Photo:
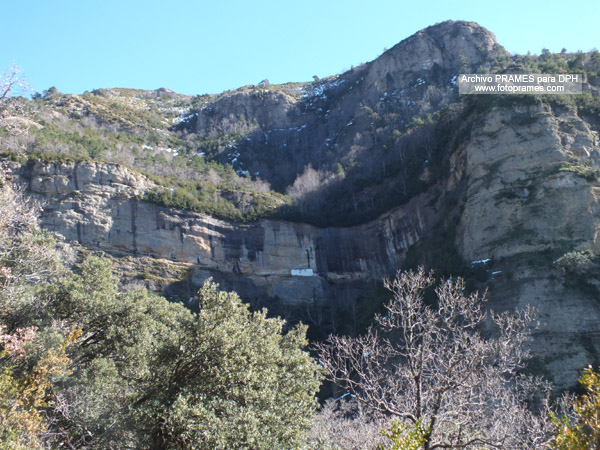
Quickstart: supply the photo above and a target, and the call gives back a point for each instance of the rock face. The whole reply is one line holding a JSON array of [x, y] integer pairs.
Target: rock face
[[523, 210], [518, 198], [98, 206], [436, 53], [335, 119], [518, 181]]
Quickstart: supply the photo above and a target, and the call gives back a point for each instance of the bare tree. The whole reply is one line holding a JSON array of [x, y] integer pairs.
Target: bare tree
[[23, 260], [432, 368], [13, 116], [28, 255], [309, 181], [342, 424], [11, 81], [306, 190], [261, 186]]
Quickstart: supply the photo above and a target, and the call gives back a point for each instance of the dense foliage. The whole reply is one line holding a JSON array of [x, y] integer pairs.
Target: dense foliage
[[227, 203]]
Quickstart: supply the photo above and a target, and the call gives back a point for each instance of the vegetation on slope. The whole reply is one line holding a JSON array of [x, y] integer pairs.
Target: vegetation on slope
[[153, 132]]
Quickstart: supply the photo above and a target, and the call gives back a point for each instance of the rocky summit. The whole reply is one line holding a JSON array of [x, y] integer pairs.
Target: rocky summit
[[335, 184]]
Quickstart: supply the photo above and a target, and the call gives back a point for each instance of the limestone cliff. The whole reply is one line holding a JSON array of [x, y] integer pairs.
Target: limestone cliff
[[523, 209], [99, 206], [518, 204]]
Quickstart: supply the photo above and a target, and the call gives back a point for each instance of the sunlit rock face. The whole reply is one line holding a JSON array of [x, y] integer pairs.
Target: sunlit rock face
[[99, 206]]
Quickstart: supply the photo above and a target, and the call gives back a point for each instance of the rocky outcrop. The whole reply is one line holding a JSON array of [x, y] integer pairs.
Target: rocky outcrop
[[278, 132], [521, 206], [433, 55], [520, 198], [247, 111], [99, 206], [524, 207]]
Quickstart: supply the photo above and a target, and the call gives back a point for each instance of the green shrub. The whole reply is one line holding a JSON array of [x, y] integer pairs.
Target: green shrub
[[581, 170], [577, 263], [583, 430]]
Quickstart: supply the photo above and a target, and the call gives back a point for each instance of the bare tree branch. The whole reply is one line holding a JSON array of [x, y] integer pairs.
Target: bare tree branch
[[433, 365]]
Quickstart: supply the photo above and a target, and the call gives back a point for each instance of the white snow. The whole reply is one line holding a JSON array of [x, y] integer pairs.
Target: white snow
[[481, 261]]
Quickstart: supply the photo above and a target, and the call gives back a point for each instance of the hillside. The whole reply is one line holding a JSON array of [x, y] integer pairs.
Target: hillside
[[303, 196]]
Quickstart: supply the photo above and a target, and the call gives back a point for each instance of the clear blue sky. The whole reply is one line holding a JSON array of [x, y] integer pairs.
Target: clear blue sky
[[197, 47]]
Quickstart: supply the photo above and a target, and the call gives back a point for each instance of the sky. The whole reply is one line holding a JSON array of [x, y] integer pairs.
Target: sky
[[198, 47]]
